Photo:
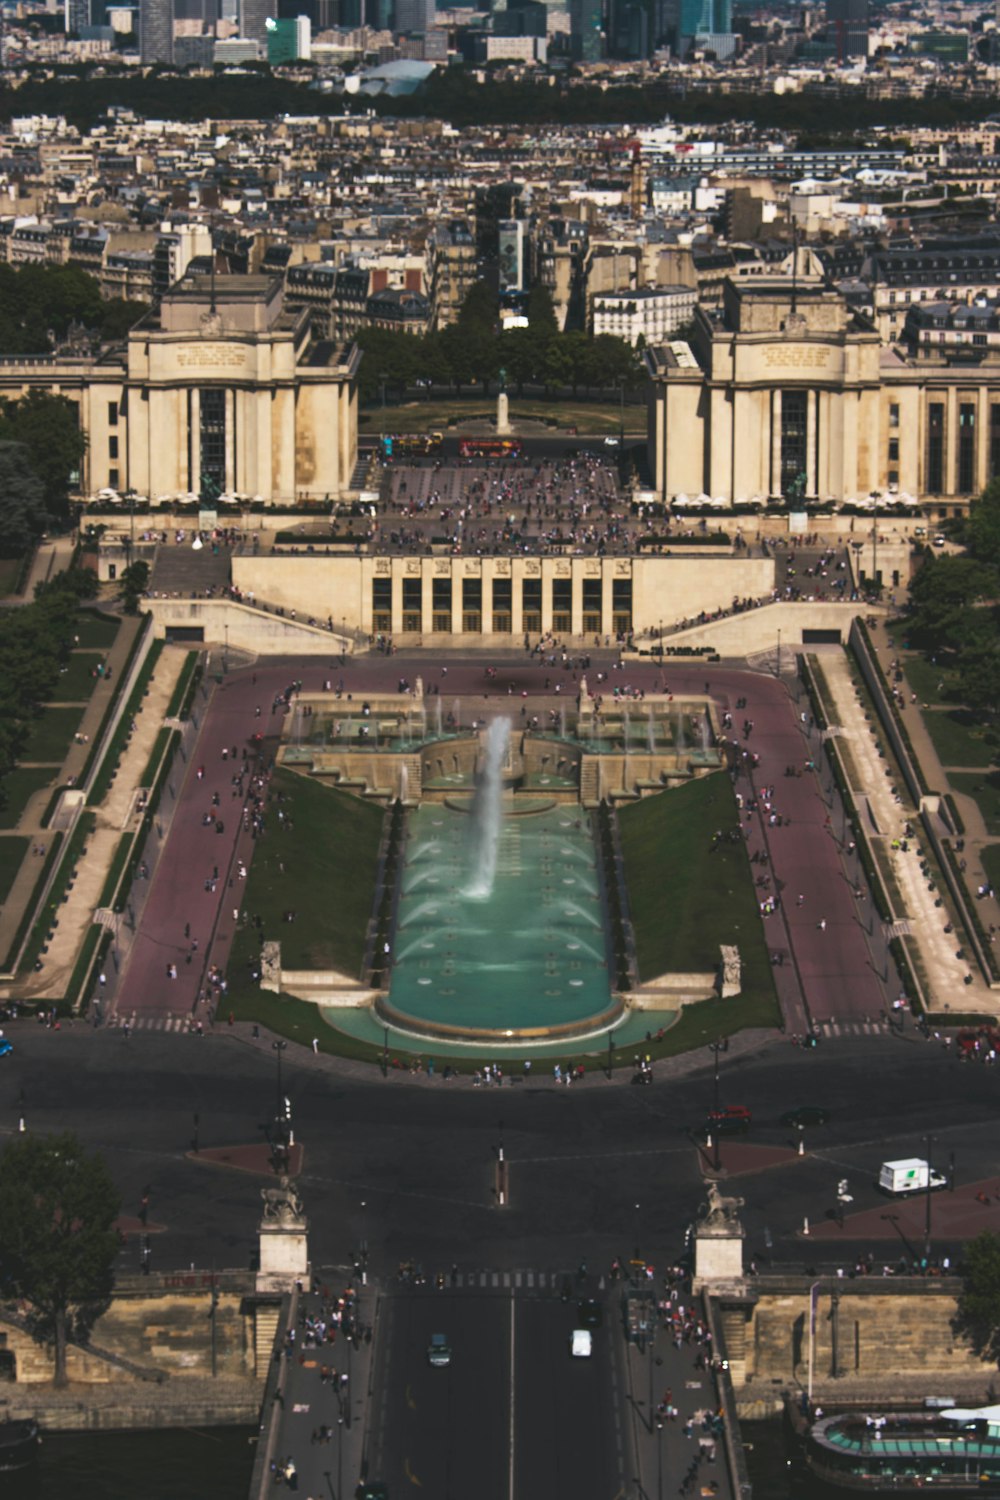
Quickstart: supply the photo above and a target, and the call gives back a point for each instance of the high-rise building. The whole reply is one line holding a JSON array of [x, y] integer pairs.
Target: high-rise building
[[688, 19], [76, 15], [847, 27], [156, 31], [415, 15], [253, 16], [586, 30], [289, 39]]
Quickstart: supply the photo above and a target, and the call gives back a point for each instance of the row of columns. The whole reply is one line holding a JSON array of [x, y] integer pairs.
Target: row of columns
[[576, 626]]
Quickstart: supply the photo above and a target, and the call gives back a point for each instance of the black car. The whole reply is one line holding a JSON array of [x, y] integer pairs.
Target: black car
[[806, 1114], [589, 1313]]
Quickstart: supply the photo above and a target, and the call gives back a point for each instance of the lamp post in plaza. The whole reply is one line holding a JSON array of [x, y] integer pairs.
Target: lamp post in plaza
[[722, 1045]]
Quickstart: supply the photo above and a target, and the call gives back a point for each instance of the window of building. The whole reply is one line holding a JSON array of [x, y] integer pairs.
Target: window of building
[[894, 450], [621, 606], [995, 440], [112, 413], [793, 443], [382, 605], [112, 447], [213, 439], [893, 413], [502, 606], [472, 605], [531, 604], [935, 447], [966, 447], [592, 600], [413, 604], [441, 605], [113, 478], [562, 605]]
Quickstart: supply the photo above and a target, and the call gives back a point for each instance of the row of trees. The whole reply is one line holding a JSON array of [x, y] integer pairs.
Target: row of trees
[[35, 642], [38, 304], [957, 616], [472, 351]]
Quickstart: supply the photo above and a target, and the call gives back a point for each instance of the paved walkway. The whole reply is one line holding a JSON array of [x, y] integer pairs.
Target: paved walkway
[[953, 982], [30, 822]]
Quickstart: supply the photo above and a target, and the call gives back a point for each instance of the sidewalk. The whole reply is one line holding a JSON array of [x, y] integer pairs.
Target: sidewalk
[[945, 973], [29, 825]]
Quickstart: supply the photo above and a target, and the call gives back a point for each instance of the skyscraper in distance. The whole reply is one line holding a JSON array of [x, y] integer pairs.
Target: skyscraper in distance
[[156, 31]]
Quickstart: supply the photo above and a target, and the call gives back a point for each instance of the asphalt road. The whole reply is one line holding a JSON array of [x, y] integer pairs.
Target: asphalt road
[[594, 1170], [512, 1415]]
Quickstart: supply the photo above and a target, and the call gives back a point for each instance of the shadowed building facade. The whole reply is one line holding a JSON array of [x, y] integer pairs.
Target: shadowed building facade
[[220, 391], [784, 393]]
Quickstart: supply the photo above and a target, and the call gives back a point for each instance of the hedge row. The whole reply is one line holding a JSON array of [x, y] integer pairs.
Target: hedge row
[[612, 888], [29, 911], [48, 916], [122, 735], [394, 846], [113, 893], [93, 951], [897, 718], [109, 711], [179, 706], [971, 912]]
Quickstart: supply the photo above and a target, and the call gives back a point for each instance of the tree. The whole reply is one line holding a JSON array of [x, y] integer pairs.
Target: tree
[[541, 313], [134, 581], [57, 1241], [978, 1314], [982, 529], [22, 500], [945, 594], [49, 427]]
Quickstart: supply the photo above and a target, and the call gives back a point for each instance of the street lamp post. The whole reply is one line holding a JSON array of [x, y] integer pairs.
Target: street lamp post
[[279, 1114], [929, 1141], [778, 673], [715, 1048]]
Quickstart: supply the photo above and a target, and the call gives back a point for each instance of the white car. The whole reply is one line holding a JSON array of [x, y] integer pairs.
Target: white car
[[582, 1343]]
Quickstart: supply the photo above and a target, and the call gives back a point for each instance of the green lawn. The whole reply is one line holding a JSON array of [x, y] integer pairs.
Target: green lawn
[[76, 684], [12, 852], [958, 740], [95, 632], [986, 791], [686, 900], [991, 864], [322, 868], [924, 676], [16, 788], [50, 735]]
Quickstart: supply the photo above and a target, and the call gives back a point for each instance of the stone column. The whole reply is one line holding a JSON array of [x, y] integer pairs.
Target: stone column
[[576, 613], [516, 599], [812, 476], [776, 442], [426, 599]]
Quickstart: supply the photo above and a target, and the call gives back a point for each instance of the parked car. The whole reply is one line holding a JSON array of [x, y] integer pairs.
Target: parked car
[[806, 1114], [581, 1345], [438, 1351], [730, 1119], [6, 1047]]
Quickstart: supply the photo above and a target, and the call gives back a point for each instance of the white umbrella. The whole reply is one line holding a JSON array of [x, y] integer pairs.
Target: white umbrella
[[679, 501]]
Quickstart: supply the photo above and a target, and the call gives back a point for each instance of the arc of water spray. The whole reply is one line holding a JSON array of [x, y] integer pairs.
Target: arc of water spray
[[488, 812]]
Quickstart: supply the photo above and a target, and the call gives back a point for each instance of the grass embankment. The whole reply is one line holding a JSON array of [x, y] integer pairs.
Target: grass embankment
[[318, 861], [17, 789], [686, 899], [93, 631], [990, 857], [78, 678], [51, 735], [12, 852], [985, 791]]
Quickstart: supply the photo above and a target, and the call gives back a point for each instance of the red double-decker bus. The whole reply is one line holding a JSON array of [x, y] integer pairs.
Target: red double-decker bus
[[474, 447]]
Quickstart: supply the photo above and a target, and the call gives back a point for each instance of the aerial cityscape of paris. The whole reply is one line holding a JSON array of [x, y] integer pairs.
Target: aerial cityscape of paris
[[500, 750]]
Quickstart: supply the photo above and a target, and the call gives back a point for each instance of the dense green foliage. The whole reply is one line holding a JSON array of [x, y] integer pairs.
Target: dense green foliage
[[956, 610], [34, 643], [472, 350], [38, 303], [48, 427], [453, 94], [979, 1304], [58, 1244]]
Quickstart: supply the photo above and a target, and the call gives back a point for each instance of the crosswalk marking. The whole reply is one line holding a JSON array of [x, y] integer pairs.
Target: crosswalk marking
[[851, 1028]]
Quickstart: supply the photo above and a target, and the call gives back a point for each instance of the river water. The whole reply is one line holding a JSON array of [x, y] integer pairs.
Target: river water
[[188, 1463]]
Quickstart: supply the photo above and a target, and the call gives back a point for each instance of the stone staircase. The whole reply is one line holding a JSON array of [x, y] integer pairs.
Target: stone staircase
[[266, 1321], [589, 781], [180, 570]]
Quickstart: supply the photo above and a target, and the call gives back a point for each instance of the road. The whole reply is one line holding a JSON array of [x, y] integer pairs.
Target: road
[[512, 1415], [593, 1170]]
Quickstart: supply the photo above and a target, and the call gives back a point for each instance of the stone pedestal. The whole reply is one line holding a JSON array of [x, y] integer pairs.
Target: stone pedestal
[[730, 980], [503, 414], [283, 1237], [718, 1243]]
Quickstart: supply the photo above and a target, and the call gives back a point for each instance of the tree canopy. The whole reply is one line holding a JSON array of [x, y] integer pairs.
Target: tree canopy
[[58, 1244], [48, 427], [979, 1304], [473, 350], [39, 302]]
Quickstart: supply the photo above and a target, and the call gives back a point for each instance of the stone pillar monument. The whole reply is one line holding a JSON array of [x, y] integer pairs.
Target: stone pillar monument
[[718, 1243], [283, 1238], [503, 415]]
